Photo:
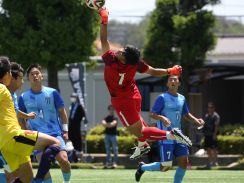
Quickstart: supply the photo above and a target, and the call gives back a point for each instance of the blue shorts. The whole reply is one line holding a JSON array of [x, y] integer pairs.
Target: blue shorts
[[169, 151], [62, 144]]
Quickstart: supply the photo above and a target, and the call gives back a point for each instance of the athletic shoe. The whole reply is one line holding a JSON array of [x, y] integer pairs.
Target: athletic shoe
[[180, 137], [139, 172], [140, 151]]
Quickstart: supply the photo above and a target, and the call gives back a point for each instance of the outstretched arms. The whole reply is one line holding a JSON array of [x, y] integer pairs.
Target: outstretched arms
[[176, 70], [103, 30]]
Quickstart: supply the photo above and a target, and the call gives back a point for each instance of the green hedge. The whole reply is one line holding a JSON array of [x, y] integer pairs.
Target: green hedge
[[99, 130], [95, 143], [232, 130], [227, 144], [230, 144]]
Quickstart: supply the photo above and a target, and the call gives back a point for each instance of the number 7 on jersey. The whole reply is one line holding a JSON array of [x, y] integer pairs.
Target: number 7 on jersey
[[121, 79]]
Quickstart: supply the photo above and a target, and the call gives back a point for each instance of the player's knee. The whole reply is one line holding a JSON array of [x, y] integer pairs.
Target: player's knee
[[164, 168]]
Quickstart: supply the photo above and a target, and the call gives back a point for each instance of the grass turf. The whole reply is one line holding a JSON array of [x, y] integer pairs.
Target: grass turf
[[127, 176]]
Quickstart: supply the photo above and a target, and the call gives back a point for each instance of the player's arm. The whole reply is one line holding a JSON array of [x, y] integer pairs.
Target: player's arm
[[189, 117], [159, 72], [155, 112], [104, 30], [64, 118], [162, 118], [23, 123], [24, 115], [59, 106]]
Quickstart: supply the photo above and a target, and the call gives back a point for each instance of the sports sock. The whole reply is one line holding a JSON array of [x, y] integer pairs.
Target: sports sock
[[3, 178], [179, 175], [66, 176], [48, 180], [48, 156], [153, 133], [151, 167]]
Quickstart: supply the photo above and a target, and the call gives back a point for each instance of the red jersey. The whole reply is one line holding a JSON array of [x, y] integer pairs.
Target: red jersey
[[119, 77]]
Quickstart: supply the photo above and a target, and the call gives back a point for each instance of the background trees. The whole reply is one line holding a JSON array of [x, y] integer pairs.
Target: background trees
[[180, 32], [51, 33]]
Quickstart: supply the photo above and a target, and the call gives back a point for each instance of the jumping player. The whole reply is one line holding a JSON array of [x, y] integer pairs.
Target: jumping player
[[16, 145], [168, 109], [119, 72]]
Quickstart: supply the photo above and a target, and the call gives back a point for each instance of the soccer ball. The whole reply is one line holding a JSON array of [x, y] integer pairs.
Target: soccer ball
[[95, 4]]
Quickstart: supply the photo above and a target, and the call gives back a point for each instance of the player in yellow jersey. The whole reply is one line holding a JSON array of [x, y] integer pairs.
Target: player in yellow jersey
[[16, 145]]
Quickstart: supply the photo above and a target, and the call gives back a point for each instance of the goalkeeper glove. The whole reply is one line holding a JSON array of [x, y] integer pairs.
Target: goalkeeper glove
[[176, 70], [103, 12]]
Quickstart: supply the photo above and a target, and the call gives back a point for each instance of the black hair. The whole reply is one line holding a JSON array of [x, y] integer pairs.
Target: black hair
[[15, 69], [132, 54], [4, 66], [33, 66], [110, 107]]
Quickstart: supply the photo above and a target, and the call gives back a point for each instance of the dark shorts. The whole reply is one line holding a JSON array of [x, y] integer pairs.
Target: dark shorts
[[209, 142]]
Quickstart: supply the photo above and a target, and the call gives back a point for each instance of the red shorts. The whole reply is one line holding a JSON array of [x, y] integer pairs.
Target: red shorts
[[128, 109]]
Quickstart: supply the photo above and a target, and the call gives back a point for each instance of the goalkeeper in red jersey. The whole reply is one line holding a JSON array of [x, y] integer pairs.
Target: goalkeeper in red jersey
[[119, 72]]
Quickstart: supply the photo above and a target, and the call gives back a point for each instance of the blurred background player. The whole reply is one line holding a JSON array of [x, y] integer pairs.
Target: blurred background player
[[16, 145], [49, 106], [76, 117], [119, 72], [168, 109], [110, 123], [210, 131]]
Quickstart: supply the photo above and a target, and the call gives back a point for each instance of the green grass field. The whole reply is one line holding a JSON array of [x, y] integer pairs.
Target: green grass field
[[127, 176]]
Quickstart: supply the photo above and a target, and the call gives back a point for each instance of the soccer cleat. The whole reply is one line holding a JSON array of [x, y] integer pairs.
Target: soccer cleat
[[180, 137], [139, 172], [139, 151]]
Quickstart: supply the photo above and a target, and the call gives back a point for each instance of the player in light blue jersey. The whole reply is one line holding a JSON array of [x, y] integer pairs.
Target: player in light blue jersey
[[51, 116], [168, 110]]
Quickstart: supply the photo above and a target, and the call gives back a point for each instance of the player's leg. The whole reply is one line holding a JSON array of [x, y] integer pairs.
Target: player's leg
[[24, 172], [166, 159], [181, 153], [50, 147], [47, 178], [62, 158]]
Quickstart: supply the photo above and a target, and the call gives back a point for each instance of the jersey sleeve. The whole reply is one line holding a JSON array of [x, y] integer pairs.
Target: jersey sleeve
[[185, 109], [58, 100], [158, 105], [108, 57], [142, 67], [21, 104]]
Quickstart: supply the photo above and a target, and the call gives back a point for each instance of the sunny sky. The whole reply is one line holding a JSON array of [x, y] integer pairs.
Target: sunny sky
[[132, 10]]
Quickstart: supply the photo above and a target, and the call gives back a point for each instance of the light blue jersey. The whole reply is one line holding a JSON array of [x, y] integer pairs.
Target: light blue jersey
[[172, 107], [45, 104], [15, 100]]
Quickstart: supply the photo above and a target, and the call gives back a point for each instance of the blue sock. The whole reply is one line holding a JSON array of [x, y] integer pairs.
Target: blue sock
[[3, 178], [66, 176], [151, 167], [48, 156], [179, 175], [48, 181]]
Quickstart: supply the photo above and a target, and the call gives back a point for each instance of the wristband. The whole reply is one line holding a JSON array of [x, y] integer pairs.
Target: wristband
[[65, 127]]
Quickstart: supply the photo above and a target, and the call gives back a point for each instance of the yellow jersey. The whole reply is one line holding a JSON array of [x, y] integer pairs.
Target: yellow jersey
[[9, 126]]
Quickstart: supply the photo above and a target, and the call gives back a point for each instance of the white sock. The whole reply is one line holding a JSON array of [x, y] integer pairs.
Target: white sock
[[141, 143], [170, 136]]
